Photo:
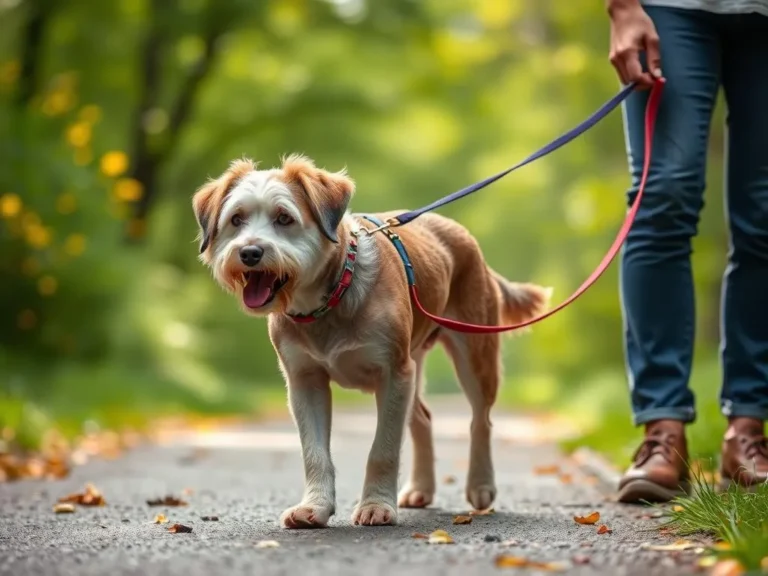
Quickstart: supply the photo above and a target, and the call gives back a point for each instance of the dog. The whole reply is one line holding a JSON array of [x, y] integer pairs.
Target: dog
[[338, 308]]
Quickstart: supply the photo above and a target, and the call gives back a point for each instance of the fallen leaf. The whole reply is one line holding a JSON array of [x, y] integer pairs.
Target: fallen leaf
[[64, 508], [160, 519], [566, 478], [449, 479], [581, 559], [179, 529], [507, 561], [90, 497], [590, 519], [268, 544], [462, 519], [728, 568], [167, 501], [209, 518], [603, 529], [546, 470], [677, 508], [486, 512], [676, 546], [440, 537], [419, 536]]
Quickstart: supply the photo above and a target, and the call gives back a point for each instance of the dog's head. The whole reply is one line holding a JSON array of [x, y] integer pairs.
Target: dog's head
[[265, 233]]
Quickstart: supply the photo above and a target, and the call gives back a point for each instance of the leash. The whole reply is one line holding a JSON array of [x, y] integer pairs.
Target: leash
[[651, 111]]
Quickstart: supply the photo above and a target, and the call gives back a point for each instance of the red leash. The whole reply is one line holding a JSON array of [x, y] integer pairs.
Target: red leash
[[651, 111]]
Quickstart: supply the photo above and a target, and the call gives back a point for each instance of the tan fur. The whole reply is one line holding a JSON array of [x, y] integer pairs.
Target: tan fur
[[376, 342]]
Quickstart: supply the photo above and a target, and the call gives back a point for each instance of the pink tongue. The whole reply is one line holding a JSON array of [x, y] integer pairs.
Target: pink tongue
[[258, 289]]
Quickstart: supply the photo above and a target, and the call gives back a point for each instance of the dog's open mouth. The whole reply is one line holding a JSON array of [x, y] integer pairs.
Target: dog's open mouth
[[260, 287]]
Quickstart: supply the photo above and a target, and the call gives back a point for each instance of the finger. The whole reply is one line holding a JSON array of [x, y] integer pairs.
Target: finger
[[635, 70], [653, 55], [621, 70]]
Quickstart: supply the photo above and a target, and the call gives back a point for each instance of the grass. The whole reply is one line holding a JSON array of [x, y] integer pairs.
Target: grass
[[736, 517]]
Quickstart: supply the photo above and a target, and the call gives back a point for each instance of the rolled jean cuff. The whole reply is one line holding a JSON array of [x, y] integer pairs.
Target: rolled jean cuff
[[731, 410], [686, 415]]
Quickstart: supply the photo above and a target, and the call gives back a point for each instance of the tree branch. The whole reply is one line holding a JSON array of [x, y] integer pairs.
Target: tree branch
[[32, 43]]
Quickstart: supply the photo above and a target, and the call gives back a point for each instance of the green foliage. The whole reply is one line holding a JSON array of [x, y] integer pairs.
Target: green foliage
[[113, 113], [737, 517]]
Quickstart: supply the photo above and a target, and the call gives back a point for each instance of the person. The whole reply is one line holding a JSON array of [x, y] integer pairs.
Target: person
[[697, 46]]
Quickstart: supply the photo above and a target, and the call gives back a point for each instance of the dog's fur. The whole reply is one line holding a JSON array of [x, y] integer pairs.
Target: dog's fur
[[373, 340]]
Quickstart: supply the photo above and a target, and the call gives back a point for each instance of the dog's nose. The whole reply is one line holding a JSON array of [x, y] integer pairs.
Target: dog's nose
[[251, 255]]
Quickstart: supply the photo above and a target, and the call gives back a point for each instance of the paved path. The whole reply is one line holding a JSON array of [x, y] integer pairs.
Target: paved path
[[248, 476]]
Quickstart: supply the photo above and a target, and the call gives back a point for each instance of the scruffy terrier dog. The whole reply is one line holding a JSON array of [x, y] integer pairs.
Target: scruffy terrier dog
[[338, 308]]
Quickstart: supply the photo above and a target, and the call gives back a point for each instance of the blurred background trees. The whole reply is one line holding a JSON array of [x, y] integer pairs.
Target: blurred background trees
[[112, 113]]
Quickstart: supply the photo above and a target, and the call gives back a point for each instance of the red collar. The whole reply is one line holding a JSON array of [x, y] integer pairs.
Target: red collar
[[333, 299]]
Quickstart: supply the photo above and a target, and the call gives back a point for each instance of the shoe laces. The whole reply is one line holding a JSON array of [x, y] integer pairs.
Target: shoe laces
[[755, 447], [656, 442]]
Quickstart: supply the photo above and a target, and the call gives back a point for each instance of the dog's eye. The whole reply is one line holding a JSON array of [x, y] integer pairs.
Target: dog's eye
[[284, 219], [237, 220]]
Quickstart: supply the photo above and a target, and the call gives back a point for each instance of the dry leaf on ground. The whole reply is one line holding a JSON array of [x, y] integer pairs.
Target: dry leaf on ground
[[581, 559], [507, 561], [603, 529], [440, 537], [728, 568], [449, 479], [268, 544], [179, 529], [90, 497], [677, 508], [419, 536], [167, 501], [589, 519], [64, 508], [566, 478], [674, 547], [546, 470], [486, 512], [462, 519], [160, 519]]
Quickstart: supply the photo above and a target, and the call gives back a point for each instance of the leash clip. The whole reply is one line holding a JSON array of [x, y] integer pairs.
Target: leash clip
[[383, 228]]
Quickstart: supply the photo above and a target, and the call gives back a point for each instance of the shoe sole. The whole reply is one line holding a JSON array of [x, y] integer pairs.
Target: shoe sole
[[639, 491]]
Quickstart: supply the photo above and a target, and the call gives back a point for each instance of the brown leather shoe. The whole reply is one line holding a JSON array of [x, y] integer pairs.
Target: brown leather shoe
[[659, 470], [745, 453]]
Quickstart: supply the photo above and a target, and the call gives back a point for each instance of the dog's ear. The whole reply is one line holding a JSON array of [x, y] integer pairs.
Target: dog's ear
[[328, 193], [210, 196], [203, 205]]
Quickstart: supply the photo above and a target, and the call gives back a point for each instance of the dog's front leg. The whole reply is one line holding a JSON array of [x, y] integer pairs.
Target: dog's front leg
[[309, 396], [378, 504]]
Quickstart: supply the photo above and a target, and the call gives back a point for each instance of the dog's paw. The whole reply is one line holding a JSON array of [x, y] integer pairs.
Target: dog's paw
[[374, 514], [306, 516], [481, 497], [414, 498]]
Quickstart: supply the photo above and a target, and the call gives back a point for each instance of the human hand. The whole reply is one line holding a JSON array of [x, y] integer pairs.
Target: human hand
[[632, 32]]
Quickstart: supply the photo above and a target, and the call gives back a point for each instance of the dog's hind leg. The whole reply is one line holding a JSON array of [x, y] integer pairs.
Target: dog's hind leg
[[478, 367], [420, 489]]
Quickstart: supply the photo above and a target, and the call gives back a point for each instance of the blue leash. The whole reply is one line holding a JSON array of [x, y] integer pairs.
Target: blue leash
[[601, 113]]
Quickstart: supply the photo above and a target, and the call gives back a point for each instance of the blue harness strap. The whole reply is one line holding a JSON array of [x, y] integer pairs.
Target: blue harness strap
[[398, 243]]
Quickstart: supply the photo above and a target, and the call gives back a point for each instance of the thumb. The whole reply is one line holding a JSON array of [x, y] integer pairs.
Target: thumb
[[653, 56]]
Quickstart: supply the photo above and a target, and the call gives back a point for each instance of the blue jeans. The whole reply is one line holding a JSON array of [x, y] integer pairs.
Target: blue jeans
[[700, 52]]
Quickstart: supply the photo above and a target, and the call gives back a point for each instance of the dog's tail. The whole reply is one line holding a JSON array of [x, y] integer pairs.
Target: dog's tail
[[520, 301]]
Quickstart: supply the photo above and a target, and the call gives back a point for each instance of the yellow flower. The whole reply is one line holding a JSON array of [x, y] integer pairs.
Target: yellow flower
[[127, 190], [79, 134], [10, 205], [58, 102], [47, 285], [74, 245], [38, 236], [9, 72], [66, 203], [90, 113], [114, 163]]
